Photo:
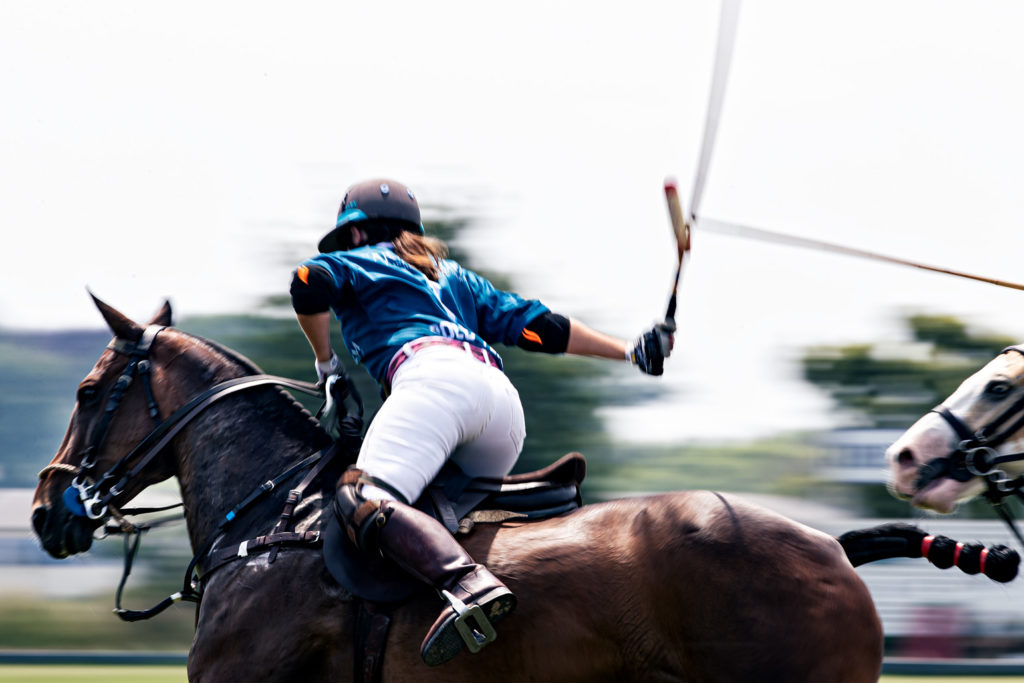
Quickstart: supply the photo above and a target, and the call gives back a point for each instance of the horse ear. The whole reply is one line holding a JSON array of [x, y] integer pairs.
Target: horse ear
[[163, 316], [122, 327]]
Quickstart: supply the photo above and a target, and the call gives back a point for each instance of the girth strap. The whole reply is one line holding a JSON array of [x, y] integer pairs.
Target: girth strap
[[373, 621], [221, 557]]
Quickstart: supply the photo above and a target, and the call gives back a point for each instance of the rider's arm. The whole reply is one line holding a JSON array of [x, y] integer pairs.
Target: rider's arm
[[586, 341], [317, 328], [648, 352], [555, 333], [311, 292]]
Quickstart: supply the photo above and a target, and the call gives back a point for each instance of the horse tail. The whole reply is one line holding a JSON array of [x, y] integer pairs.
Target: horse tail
[[896, 539]]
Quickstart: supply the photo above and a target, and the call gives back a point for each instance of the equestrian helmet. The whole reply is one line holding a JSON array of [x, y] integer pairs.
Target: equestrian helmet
[[380, 201]]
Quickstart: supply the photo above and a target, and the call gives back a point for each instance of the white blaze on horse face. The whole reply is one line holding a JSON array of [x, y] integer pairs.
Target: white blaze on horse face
[[932, 437], [928, 438]]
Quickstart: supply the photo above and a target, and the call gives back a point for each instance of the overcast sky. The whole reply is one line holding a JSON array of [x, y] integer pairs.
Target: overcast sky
[[197, 151]]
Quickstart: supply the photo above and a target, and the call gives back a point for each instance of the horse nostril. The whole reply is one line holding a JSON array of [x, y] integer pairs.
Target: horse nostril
[[905, 458], [39, 520]]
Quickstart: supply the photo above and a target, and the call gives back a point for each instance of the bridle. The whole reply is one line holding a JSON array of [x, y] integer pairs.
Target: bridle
[[90, 494], [976, 456]]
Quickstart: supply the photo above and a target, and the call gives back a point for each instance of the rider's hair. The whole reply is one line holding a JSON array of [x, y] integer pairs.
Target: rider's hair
[[422, 253]]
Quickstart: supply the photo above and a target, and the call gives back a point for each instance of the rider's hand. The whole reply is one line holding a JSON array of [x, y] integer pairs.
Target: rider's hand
[[325, 369], [652, 348]]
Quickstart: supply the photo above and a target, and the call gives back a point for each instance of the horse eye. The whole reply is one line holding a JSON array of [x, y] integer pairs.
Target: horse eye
[[87, 394], [998, 389]]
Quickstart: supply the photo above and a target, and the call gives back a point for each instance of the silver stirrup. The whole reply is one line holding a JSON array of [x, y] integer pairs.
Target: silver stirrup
[[474, 637]]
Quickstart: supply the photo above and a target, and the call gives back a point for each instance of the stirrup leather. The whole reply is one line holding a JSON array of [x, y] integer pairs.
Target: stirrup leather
[[474, 637]]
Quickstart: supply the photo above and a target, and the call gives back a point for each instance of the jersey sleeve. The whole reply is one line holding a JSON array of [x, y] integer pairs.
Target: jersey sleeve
[[316, 287], [501, 316]]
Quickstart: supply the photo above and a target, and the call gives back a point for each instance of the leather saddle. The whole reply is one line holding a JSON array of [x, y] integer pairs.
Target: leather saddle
[[458, 502]]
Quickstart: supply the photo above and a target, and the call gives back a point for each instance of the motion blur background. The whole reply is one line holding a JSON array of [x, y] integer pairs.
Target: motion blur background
[[198, 152]]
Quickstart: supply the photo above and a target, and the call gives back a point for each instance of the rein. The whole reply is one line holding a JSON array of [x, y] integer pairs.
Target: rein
[[91, 500], [976, 456], [192, 590]]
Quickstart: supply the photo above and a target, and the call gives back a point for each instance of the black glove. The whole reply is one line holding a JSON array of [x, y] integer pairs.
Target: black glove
[[652, 348]]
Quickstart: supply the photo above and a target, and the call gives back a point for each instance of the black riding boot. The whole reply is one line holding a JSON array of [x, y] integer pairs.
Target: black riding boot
[[426, 550]]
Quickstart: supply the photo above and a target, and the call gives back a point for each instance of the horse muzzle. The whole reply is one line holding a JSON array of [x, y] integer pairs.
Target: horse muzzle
[[61, 533], [934, 484]]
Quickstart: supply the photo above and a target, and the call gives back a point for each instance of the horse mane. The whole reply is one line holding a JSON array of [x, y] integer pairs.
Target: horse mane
[[231, 355], [236, 359]]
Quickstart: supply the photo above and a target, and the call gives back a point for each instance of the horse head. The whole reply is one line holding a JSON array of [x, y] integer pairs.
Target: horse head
[[110, 416], [152, 408], [969, 444], [119, 404]]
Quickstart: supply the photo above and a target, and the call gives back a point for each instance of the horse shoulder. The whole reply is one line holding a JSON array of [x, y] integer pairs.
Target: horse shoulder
[[283, 621]]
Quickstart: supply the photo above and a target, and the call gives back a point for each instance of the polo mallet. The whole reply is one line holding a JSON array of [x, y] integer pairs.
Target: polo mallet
[[728, 19], [681, 230]]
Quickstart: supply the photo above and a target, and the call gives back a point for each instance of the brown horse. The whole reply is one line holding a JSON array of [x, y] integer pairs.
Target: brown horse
[[689, 586]]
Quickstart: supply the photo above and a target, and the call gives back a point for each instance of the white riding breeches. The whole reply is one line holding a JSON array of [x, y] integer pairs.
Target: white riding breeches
[[443, 404]]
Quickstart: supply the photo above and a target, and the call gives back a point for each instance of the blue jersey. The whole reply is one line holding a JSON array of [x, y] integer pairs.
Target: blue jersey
[[383, 302]]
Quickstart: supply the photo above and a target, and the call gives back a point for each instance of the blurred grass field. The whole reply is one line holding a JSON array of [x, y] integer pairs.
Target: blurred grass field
[[951, 679], [65, 673]]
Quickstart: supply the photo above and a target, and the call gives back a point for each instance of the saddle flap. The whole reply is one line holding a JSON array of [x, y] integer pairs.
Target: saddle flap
[[367, 576]]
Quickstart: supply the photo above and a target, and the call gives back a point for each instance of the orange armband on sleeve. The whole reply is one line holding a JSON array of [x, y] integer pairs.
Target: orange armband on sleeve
[[547, 333]]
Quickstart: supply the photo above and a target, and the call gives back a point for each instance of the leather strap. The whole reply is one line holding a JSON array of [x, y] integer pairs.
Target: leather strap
[[221, 557], [373, 622]]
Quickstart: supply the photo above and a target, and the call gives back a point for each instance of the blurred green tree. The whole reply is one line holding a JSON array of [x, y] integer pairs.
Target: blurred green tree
[[890, 387]]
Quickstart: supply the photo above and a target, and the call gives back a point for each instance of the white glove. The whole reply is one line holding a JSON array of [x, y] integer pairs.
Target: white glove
[[325, 369]]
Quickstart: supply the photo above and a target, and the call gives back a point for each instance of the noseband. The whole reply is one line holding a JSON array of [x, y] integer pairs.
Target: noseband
[[976, 456]]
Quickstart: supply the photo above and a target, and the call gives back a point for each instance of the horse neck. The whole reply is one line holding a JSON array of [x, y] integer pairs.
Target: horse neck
[[232, 448]]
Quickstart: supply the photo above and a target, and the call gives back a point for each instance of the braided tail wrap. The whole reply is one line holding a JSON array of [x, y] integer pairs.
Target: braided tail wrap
[[886, 541]]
